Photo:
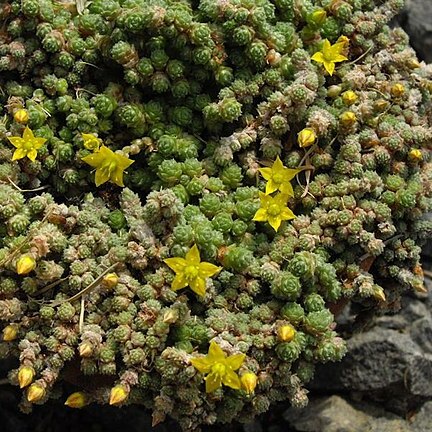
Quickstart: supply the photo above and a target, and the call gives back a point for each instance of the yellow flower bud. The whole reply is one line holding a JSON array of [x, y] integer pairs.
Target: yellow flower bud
[[286, 333], [85, 349], [10, 332], [25, 376], [318, 17], [349, 98], [381, 105], [413, 63], [343, 40], [110, 280], [415, 155], [378, 293], [347, 119], [35, 393], [306, 137], [397, 90], [77, 400], [170, 316], [118, 395], [21, 116], [249, 381], [25, 264], [91, 142]]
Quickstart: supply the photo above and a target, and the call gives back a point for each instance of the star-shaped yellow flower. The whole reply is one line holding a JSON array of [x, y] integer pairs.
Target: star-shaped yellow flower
[[273, 210], [278, 178], [191, 271], [219, 367], [109, 165], [28, 145], [330, 54]]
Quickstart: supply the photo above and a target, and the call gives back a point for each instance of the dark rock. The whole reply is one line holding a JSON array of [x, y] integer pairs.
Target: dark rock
[[334, 414], [421, 333], [417, 22]]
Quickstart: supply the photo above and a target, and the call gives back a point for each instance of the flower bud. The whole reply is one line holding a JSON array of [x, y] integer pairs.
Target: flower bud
[[118, 395], [110, 280], [415, 155], [25, 376], [381, 105], [170, 316], [91, 142], [413, 63], [286, 333], [85, 349], [349, 98], [35, 393], [334, 91], [249, 382], [21, 116], [378, 293], [77, 400], [397, 90], [317, 18], [347, 119], [306, 137], [10, 332], [25, 264]]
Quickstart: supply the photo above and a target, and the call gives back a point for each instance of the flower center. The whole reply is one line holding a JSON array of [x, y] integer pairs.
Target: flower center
[[273, 210], [219, 369], [109, 167], [28, 145], [277, 178], [191, 272]]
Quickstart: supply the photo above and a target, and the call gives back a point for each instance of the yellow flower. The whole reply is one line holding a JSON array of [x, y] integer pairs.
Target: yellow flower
[[330, 54], [306, 137], [109, 165], [28, 145], [118, 394], [349, 97], [10, 332], [191, 271], [415, 154], [278, 178], [26, 375], [35, 393], [273, 210], [286, 333], [220, 368], [91, 142], [348, 118]]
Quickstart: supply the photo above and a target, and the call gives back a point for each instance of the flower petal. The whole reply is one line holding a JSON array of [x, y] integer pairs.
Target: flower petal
[[290, 173], [179, 282], [215, 353], [231, 379], [235, 361], [318, 57], [213, 382], [287, 189], [102, 176], [339, 58], [266, 173], [28, 134], [16, 141], [260, 215], [32, 154], [274, 222], [123, 162], [193, 255], [329, 67], [327, 49], [38, 142], [177, 264], [198, 286], [117, 177], [19, 153], [207, 269], [278, 166], [95, 159], [202, 364], [271, 186], [287, 214]]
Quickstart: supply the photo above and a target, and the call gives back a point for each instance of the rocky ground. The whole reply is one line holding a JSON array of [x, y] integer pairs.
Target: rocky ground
[[384, 383]]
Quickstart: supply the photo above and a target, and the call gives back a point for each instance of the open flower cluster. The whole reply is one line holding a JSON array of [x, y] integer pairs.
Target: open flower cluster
[[191, 190]]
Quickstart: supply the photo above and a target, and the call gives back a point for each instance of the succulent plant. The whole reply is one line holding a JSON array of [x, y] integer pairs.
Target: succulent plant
[[190, 191]]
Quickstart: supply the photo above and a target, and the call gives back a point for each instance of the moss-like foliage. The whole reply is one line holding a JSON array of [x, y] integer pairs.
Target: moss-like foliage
[[195, 106]]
